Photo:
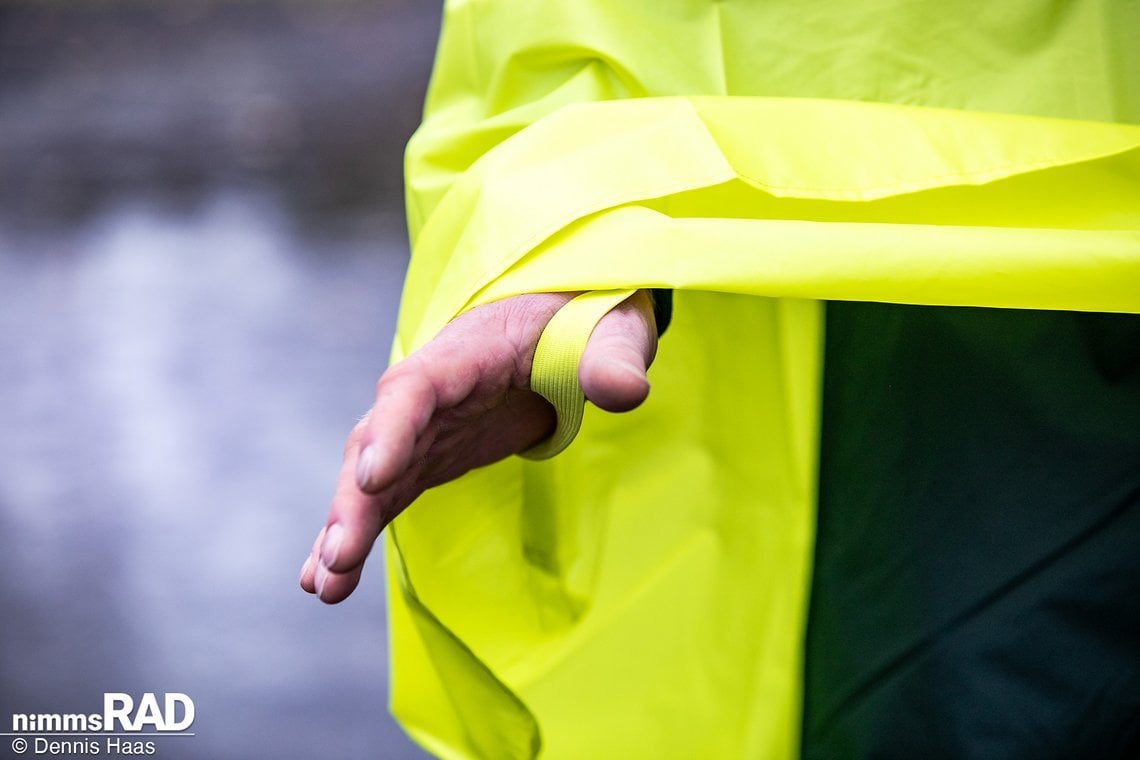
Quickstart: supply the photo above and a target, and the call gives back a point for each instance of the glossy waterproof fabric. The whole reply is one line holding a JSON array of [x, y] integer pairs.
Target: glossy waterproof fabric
[[644, 593]]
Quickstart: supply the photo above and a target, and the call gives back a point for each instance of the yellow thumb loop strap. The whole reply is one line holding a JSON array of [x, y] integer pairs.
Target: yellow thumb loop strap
[[554, 373]]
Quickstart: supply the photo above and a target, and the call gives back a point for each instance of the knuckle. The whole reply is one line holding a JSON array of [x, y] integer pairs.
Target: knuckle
[[357, 434], [398, 378], [353, 442], [391, 376], [362, 424]]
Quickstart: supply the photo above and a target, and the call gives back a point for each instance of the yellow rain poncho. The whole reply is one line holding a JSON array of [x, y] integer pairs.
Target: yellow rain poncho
[[643, 594]]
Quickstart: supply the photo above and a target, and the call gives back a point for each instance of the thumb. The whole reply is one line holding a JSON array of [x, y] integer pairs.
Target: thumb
[[620, 349]]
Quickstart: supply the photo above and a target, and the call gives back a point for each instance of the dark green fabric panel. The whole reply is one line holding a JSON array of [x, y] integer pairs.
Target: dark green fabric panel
[[977, 574]]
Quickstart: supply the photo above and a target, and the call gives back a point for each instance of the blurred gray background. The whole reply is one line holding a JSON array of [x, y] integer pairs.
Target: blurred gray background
[[201, 247]]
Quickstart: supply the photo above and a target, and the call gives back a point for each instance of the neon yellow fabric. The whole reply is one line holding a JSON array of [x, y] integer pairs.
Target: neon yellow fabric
[[642, 594], [554, 371]]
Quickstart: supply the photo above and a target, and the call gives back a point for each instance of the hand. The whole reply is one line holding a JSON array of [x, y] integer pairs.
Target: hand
[[460, 402]]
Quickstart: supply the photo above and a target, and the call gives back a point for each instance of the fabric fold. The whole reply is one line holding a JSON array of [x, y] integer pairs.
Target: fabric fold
[[644, 593], [1032, 173]]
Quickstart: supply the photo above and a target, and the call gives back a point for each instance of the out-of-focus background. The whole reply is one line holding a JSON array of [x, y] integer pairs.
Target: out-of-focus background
[[201, 247]]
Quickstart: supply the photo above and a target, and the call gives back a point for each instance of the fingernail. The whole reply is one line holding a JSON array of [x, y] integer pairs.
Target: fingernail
[[319, 579], [330, 547], [364, 467], [305, 567]]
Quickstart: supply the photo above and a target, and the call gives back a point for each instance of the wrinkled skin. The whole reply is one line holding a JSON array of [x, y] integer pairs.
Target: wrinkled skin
[[460, 402]]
